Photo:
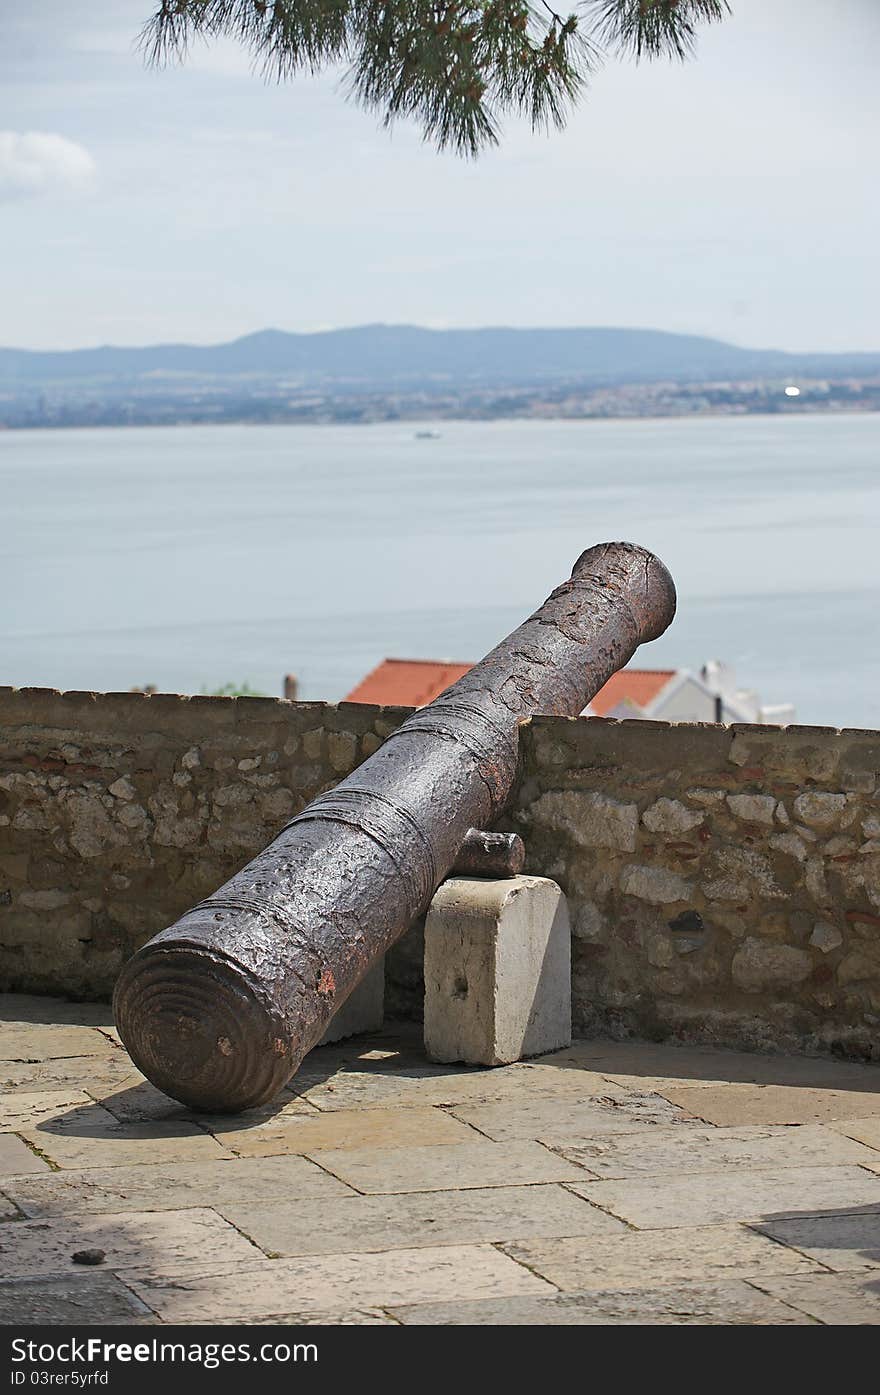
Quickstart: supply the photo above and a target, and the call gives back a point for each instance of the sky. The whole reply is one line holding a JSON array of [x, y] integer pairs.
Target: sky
[[736, 196]]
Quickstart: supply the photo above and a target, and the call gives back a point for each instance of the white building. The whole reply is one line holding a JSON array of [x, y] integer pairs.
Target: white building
[[679, 695]]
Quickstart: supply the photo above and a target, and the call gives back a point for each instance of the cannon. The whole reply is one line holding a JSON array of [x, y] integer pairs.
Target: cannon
[[220, 1009]]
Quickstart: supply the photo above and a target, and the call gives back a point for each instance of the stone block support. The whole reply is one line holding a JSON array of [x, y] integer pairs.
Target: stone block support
[[497, 970]]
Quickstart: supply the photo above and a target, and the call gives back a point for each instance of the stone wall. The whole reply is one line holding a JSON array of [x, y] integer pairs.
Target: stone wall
[[724, 883], [118, 811]]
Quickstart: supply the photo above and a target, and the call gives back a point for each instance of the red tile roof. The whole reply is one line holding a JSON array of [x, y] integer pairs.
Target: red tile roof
[[635, 686], [407, 682], [416, 682]]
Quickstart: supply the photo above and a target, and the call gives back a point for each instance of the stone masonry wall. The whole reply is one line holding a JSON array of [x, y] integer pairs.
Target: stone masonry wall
[[118, 811], [724, 883]]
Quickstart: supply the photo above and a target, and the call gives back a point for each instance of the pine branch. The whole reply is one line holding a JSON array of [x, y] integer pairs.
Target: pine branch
[[454, 66], [654, 28]]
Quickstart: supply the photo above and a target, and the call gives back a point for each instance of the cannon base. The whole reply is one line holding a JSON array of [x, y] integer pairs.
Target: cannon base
[[497, 974], [497, 971]]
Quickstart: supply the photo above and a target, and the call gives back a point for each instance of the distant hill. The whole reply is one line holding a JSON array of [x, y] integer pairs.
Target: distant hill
[[404, 355]]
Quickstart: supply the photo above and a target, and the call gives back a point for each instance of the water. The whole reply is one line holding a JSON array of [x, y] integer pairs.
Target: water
[[195, 556]]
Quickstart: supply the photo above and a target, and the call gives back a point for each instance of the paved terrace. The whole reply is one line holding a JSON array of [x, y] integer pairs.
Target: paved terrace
[[608, 1183]]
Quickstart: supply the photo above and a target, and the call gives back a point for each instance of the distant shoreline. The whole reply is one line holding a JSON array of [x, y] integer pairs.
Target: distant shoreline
[[433, 420]]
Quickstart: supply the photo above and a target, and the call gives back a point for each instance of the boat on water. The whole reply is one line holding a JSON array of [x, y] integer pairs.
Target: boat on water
[[427, 435]]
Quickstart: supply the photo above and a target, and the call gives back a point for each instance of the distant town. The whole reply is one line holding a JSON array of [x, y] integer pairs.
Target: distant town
[[382, 373], [79, 407]]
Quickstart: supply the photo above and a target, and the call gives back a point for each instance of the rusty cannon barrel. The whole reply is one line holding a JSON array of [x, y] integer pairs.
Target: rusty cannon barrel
[[220, 1009]]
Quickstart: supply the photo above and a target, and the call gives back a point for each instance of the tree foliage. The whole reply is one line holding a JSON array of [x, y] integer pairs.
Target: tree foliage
[[455, 66]]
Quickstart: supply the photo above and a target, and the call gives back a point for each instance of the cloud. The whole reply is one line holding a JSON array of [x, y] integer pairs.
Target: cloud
[[33, 163]]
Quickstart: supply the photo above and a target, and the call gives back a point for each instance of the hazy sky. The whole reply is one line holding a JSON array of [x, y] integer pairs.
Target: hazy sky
[[737, 196]]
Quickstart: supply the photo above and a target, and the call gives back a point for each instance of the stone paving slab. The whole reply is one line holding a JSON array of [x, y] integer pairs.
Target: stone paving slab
[[865, 1131], [165, 1242], [110, 1031], [27, 1041], [17, 1158], [136, 1101], [93, 1074], [23, 1110], [709, 1149], [288, 1180], [730, 1105], [415, 1219], [89, 1136], [693, 1305], [8, 1210], [836, 1299], [79, 1300], [559, 1120], [391, 1089], [350, 1128], [841, 1242], [399, 1045], [399, 1050], [365, 1317], [466, 1166], [658, 1257], [53, 1012], [713, 1198], [646, 1066], [338, 1283]]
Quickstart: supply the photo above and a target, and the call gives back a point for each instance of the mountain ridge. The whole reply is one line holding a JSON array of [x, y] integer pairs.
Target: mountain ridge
[[383, 354]]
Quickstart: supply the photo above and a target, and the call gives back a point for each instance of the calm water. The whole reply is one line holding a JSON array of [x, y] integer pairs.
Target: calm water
[[194, 556]]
